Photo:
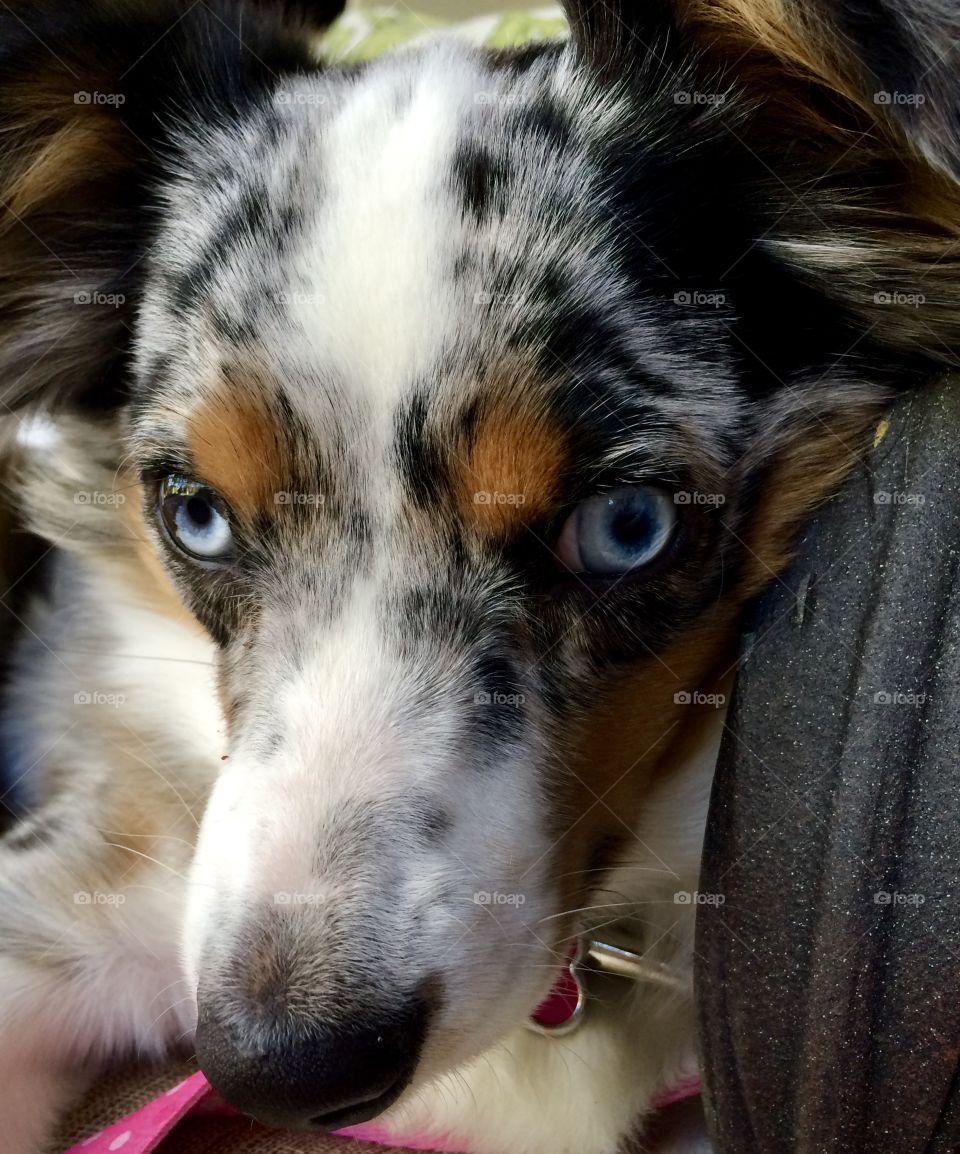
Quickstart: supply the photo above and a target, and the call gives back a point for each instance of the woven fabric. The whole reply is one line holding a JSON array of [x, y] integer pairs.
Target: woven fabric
[[116, 1094], [226, 1136], [124, 1090]]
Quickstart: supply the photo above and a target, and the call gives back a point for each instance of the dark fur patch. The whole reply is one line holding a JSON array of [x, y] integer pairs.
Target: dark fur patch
[[481, 180], [109, 119], [500, 698], [33, 833], [547, 124], [420, 458]]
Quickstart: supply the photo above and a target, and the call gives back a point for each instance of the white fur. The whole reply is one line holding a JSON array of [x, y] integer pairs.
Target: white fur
[[523, 1095]]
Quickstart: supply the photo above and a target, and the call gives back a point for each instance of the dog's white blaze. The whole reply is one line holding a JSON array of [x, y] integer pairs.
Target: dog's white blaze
[[366, 284], [355, 735]]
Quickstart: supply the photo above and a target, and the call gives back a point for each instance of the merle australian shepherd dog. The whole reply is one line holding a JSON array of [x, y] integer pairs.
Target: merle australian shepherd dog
[[389, 452]]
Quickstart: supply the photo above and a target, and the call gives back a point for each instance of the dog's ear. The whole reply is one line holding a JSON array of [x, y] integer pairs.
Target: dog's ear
[[905, 58], [617, 36], [93, 100], [318, 13], [851, 105], [898, 60], [849, 108]]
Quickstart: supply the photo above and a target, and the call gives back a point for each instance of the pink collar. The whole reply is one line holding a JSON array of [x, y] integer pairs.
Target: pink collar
[[143, 1131]]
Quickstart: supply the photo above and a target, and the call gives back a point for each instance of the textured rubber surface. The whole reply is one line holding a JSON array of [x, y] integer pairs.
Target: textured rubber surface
[[829, 979]]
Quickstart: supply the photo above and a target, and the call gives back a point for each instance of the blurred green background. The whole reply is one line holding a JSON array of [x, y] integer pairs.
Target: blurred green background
[[452, 9]]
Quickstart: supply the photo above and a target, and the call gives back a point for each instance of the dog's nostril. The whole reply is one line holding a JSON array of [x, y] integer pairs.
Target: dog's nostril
[[305, 1075]]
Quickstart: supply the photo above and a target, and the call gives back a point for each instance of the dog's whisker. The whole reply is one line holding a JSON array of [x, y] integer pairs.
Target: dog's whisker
[[147, 857], [591, 908], [152, 836], [615, 870], [157, 773], [172, 1006], [169, 986], [136, 657]]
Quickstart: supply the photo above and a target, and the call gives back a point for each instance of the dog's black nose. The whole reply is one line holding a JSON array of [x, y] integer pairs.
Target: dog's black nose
[[299, 1075]]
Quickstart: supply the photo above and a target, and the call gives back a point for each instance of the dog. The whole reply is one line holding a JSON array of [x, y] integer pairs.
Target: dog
[[391, 453]]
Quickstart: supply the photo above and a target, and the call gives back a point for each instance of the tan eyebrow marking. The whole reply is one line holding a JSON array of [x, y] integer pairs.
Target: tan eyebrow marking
[[512, 467], [239, 448]]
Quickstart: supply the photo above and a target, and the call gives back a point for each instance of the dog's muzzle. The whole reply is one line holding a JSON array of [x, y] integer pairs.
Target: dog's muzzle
[[299, 1075]]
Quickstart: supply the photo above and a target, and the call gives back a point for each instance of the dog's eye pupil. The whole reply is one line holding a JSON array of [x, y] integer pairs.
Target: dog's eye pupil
[[632, 527], [195, 519], [615, 533], [199, 512]]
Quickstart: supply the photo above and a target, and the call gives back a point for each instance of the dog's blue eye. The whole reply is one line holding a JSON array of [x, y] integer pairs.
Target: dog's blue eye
[[196, 519], [614, 533]]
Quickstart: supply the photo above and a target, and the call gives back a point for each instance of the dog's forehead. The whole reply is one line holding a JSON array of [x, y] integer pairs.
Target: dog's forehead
[[407, 247], [373, 220]]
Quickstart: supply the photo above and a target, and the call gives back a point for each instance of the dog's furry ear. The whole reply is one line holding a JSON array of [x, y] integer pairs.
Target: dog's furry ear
[[316, 12], [93, 99], [852, 104], [614, 36], [898, 60], [905, 57]]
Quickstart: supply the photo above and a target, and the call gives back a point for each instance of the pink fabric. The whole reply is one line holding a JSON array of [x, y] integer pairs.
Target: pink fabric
[[690, 1088], [143, 1131], [371, 1133]]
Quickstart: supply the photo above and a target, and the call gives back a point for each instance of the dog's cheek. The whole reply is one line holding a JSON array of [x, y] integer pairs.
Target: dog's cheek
[[650, 716]]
